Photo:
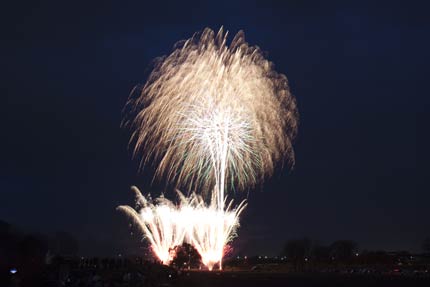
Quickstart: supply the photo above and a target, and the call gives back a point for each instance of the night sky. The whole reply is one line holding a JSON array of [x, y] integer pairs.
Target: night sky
[[359, 73]]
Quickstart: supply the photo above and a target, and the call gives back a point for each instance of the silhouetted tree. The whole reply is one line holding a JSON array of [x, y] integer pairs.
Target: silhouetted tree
[[33, 247], [343, 250], [426, 245], [297, 250], [186, 255], [375, 257], [8, 250], [31, 257], [320, 253], [8, 242]]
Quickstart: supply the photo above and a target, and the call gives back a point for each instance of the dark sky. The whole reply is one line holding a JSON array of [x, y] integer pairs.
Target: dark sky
[[359, 71]]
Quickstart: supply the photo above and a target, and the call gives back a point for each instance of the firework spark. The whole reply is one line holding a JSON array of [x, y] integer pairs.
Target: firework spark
[[167, 225], [212, 228], [211, 117], [159, 223], [214, 115]]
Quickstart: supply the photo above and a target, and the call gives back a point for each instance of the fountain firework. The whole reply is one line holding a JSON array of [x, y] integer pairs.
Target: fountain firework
[[167, 225], [212, 117], [162, 223]]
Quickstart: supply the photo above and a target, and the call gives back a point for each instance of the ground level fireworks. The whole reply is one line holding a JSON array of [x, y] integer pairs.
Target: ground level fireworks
[[167, 225]]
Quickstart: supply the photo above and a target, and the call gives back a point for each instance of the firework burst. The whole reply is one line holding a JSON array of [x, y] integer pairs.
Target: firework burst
[[213, 114], [212, 117]]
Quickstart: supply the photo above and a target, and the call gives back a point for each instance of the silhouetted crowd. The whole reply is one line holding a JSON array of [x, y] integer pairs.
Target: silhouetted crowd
[[97, 272]]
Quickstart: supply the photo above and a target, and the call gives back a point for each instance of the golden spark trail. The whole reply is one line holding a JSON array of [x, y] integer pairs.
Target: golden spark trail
[[212, 114], [212, 117]]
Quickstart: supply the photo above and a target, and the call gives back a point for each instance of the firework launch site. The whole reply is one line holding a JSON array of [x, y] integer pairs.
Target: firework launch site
[[34, 261]]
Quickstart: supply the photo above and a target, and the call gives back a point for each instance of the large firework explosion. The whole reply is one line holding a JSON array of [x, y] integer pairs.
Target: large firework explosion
[[211, 117], [212, 114]]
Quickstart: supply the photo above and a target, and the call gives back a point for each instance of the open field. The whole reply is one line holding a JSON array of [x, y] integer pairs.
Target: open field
[[251, 279]]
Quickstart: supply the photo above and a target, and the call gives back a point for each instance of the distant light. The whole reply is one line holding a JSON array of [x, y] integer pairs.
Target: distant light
[[356, 254], [259, 257], [265, 257], [119, 255], [245, 257], [170, 275], [13, 271], [306, 259]]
